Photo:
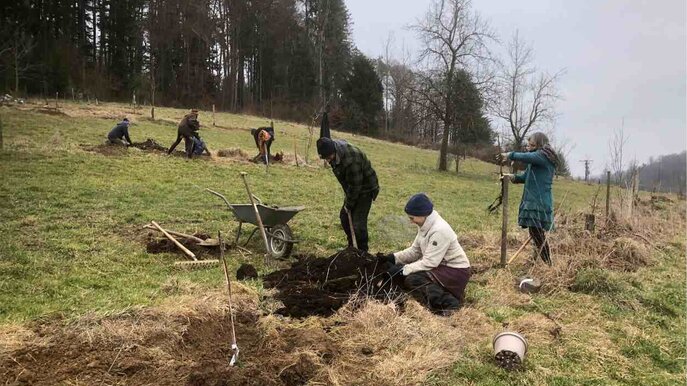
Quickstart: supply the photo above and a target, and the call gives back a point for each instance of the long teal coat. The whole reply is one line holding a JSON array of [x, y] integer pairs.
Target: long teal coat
[[536, 207]]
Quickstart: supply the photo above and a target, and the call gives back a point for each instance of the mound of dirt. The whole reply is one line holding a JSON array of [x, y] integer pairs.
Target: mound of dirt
[[245, 272], [190, 346], [241, 155], [149, 145], [315, 286]]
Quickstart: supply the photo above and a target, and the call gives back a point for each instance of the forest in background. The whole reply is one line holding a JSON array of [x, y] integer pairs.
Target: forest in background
[[284, 59]]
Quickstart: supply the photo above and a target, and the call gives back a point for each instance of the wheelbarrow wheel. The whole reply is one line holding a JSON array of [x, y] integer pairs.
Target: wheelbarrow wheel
[[280, 249]]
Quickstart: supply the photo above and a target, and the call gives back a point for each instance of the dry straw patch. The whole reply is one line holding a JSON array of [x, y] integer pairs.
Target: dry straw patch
[[503, 290], [380, 345], [628, 255]]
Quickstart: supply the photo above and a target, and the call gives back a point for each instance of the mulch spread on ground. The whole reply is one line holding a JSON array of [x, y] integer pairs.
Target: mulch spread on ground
[[316, 286]]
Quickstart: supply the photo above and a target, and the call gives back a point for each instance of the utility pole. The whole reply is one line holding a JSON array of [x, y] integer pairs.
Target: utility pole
[[586, 169]]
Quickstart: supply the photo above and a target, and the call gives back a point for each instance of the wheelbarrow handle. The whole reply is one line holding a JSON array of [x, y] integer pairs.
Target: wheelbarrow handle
[[220, 196]]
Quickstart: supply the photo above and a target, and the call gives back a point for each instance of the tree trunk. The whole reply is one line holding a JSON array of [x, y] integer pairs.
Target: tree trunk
[[444, 147], [16, 69]]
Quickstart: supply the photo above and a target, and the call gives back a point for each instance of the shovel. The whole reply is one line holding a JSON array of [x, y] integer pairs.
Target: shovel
[[350, 226]]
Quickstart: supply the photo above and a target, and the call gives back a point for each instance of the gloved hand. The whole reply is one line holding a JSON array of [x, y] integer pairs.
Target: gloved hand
[[390, 258], [396, 270]]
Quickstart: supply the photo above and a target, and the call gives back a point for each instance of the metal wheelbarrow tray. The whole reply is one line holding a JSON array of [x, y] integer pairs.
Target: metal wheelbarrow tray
[[274, 219]]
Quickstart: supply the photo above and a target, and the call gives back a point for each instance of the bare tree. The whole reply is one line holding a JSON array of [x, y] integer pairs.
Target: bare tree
[[527, 97], [386, 77], [454, 38], [616, 148]]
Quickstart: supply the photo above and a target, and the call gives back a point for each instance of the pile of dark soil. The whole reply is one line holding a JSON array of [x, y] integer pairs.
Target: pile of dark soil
[[155, 244], [149, 145], [315, 286], [245, 272], [279, 157]]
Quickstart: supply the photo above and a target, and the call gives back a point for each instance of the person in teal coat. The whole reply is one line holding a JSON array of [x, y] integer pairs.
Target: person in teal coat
[[536, 207]]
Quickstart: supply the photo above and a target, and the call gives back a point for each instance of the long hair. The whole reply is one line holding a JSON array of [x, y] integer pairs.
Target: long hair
[[540, 140]]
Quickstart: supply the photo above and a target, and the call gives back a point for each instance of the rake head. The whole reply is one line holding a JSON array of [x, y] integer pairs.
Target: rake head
[[191, 265]]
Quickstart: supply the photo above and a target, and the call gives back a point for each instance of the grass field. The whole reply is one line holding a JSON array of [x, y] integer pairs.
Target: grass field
[[72, 243]]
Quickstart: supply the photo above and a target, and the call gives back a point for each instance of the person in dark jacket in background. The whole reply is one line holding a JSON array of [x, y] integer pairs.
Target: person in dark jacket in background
[[359, 182], [119, 135], [536, 207], [263, 136], [188, 128]]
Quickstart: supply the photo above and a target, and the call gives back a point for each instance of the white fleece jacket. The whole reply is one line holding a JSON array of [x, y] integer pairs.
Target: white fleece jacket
[[436, 243]]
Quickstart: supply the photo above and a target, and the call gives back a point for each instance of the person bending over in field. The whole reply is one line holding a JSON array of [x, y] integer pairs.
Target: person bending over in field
[[263, 136], [434, 268], [358, 179], [119, 135], [536, 207], [188, 128]]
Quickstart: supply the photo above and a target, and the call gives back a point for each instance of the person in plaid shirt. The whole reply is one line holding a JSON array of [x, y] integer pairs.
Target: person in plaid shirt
[[359, 182]]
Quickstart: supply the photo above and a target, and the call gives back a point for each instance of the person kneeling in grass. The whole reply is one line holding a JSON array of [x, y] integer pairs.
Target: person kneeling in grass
[[199, 146], [119, 135], [435, 267]]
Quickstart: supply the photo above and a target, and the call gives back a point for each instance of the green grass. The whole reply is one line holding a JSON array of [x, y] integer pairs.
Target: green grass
[[71, 240]]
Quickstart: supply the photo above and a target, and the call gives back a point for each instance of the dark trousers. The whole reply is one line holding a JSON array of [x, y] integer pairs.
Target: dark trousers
[[359, 215], [429, 293], [541, 244]]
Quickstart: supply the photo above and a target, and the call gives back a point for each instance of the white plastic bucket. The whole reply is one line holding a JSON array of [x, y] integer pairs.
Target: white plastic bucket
[[511, 341]]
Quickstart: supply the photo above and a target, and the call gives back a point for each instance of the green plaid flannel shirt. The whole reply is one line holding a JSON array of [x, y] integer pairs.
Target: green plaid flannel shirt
[[354, 172]]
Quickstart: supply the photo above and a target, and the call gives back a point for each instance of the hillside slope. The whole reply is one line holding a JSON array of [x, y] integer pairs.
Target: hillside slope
[[72, 244]]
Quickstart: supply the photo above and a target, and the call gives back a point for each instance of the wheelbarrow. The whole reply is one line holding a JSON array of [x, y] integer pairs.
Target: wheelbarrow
[[279, 236]]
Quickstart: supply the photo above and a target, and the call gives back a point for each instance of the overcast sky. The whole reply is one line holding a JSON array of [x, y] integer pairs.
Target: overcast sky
[[622, 59]]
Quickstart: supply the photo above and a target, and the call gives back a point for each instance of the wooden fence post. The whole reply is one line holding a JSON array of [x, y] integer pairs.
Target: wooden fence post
[[505, 181], [608, 194], [213, 115]]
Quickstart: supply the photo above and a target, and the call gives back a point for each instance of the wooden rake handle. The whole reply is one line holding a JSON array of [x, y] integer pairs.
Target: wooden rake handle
[[519, 250], [178, 244]]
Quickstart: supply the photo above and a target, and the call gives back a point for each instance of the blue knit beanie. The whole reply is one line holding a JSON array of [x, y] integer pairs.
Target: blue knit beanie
[[419, 205]]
